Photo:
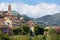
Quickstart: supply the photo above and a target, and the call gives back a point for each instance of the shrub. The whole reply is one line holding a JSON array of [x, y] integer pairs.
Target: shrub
[[5, 37], [25, 29], [1, 35], [42, 37], [39, 37], [38, 30], [58, 37], [16, 31], [35, 38], [52, 35]]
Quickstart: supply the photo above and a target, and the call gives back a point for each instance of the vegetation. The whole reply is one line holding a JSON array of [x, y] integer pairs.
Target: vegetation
[[16, 31], [25, 29], [52, 35], [3, 36], [0, 35], [25, 34], [21, 37], [38, 30]]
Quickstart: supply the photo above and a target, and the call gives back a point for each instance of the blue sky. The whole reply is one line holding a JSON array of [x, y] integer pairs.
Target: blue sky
[[38, 1], [32, 2], [32, 8]]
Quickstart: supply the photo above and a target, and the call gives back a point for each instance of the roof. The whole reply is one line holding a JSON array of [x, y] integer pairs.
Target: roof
[[4, 11]]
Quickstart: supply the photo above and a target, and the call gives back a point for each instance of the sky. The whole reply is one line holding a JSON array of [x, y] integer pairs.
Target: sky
[[32, 8]]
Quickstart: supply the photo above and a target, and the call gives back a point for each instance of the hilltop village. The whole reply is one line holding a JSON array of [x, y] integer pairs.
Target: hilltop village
[[9, 21], [15, 28]]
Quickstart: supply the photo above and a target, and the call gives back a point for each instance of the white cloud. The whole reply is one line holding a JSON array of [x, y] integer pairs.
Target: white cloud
[[33, 11]]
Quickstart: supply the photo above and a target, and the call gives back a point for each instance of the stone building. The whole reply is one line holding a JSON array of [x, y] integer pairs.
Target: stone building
[[9, 21], [31, 24]]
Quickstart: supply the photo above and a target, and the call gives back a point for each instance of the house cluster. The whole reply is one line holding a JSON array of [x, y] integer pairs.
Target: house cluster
[[9, 21]]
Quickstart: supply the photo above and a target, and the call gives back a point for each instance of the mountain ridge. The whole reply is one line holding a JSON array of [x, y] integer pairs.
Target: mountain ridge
[[50, 20], [47, 20]]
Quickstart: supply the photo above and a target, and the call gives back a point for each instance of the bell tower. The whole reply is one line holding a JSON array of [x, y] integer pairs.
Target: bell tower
[[9, 9]]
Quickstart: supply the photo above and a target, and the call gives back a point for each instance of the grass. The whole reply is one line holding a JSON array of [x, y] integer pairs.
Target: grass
[[26, 37], [21, 37]]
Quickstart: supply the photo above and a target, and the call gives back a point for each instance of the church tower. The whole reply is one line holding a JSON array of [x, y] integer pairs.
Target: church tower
[[9, 9]]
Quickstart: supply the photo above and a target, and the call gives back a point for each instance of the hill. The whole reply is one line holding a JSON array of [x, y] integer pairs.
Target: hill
[[49, 20]]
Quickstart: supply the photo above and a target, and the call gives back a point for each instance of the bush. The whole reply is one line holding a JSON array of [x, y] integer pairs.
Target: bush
[[39, 37], [58, 37], [1, 35], [38, 30], [42, 37], [52, 35], [35, 38], [25, 29], [5, 37], [16, 31]]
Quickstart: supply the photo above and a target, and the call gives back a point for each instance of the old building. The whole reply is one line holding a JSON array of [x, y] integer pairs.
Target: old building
[[31, 24], [9, 21]]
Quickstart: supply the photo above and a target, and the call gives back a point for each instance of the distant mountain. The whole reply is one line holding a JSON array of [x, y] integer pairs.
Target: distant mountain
[[26, 18], [49, 20]]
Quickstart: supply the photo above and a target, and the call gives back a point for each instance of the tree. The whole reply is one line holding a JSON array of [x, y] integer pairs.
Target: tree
[[1, 35], [38, 30], [5, 37], [25, 29], [16, 31]]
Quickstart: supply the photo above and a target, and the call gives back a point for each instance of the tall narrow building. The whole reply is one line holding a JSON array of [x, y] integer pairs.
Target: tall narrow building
[[9, 9]]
